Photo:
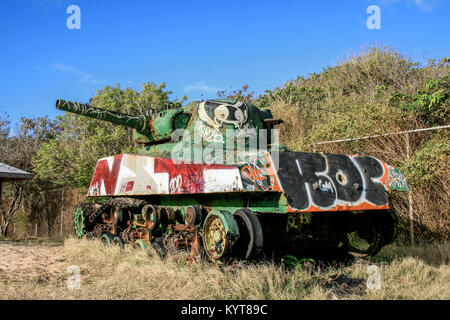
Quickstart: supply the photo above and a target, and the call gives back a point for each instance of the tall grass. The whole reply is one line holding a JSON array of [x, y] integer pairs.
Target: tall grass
[[112, 273]]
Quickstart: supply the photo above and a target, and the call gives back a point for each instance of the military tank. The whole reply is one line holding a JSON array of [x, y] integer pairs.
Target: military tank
[[211, 178]]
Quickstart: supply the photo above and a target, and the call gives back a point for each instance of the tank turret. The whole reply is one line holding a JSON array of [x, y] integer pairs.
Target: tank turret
[[216, 124]]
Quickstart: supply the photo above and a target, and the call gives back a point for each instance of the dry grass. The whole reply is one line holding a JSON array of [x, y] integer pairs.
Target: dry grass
[[111, 273]]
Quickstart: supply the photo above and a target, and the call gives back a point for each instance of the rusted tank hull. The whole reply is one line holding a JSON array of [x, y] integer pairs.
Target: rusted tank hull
[[305, 182], [289, 202]]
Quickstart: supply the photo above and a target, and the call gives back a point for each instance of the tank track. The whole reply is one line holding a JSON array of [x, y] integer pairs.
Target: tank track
[[221, 235]]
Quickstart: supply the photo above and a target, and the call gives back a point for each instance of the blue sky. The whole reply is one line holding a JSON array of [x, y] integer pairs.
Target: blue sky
[[195, 47]]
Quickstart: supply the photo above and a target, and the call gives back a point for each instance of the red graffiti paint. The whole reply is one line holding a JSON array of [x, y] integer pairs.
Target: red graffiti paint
[[129, 186], [256, 172], [191, 174], [107, 175]]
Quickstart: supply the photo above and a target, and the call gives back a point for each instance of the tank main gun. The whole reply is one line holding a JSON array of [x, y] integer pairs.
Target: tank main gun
[[118, 118], [148, 129]]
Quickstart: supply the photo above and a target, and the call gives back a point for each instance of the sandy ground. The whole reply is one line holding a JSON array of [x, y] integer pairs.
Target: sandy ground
[[23, 261]]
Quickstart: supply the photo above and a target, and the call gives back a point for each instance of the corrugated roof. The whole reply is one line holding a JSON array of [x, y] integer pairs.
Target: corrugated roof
[[8, 173]]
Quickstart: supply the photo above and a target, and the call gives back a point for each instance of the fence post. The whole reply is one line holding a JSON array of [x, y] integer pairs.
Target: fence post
[[410, 200], [62, 212], [0, 194]]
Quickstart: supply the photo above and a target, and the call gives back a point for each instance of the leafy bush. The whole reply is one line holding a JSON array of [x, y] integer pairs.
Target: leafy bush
[[70, 158]]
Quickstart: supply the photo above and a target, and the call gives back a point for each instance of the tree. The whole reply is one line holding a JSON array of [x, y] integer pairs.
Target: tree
[[70, 158], [18, 151], [4, 128], [240, 95]]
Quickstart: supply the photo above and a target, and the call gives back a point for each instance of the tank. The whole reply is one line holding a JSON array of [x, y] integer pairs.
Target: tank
[[212, 179]]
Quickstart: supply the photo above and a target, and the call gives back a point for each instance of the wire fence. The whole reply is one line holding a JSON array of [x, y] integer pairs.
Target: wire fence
[[47, 213], [377, 136]]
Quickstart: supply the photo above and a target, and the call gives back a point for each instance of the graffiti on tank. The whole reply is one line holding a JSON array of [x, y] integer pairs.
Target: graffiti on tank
[[247, 131], [175, 184], [105, 177], [210, 134], [325, 186], [191, 175], [186, 177], [215, 114], [327, 182], [309, 181], [126, 187], [396, 180], [256, 173]]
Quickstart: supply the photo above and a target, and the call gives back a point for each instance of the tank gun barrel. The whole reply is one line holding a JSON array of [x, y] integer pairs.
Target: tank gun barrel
[[118, 118]]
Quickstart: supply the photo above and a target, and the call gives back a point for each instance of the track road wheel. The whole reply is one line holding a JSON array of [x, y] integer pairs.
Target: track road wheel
[[250, 241], [290, 261], [116, 240], [79, 222], [363, 242], [193, 215], [150, 216], [89, 235], [220, 232], [142, 244], [107, 239], [158, 245], [388, 224]]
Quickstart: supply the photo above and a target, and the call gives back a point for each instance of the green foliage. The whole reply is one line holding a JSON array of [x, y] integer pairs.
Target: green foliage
[[18, 149], [429, 162], [291, 92], [127, 100], [4, 127], [432, 101], [377, 91], [70, 158], [240, 95]]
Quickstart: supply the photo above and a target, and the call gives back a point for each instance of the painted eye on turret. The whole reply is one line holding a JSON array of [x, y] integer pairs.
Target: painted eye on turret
[[221, 114], [239, 115]]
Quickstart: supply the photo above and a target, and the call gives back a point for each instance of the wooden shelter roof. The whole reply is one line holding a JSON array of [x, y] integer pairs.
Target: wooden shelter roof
[[8, 173]]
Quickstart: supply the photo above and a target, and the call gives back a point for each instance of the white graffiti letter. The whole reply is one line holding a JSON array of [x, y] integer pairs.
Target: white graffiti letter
[[73, 21], [374, 21], [374, 280], [74, 281]]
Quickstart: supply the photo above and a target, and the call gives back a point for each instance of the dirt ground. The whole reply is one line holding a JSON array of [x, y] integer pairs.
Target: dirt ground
[[31, 261]]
